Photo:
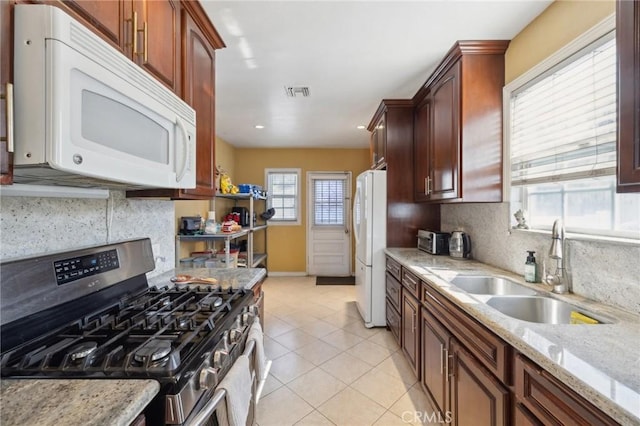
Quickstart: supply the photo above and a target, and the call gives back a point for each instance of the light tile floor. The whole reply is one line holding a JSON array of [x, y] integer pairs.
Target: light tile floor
[[328, 368]]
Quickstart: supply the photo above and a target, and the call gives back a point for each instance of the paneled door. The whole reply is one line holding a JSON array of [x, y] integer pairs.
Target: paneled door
[[328, 225]]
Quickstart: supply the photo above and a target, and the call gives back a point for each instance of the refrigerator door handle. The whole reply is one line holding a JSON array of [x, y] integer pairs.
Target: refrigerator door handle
[[354, 212]]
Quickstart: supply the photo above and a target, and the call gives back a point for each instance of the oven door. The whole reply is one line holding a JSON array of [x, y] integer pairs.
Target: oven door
[[213, 406]]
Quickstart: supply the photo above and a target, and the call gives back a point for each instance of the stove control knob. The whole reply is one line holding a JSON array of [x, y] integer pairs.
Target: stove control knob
[[235, 335], [247, 318], [219, 358], [254, 309], [208, 378]]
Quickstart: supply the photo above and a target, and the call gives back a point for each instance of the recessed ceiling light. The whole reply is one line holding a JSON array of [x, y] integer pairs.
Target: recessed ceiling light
[[360, 127], [259, 126]]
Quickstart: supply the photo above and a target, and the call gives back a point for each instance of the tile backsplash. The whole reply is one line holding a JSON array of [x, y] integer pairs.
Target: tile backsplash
[[32, 226], [600, 270]]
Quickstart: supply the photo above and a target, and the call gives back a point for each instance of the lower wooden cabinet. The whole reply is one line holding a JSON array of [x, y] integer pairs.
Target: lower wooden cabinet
[[470, 375], [477, 397], [410, 330], [549, 401], [393, 322], [435, 358]]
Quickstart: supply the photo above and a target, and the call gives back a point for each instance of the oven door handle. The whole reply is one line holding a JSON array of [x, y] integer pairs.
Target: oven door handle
[[218, 396]]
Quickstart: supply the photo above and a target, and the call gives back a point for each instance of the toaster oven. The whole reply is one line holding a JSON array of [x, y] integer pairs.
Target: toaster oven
[[433, 242]]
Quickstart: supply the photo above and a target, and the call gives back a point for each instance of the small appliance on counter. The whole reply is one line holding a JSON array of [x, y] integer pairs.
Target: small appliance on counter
[[460, 245], [190, 225], [433, 242]]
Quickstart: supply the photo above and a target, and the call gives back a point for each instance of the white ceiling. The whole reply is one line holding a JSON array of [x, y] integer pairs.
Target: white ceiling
[[351, 55]]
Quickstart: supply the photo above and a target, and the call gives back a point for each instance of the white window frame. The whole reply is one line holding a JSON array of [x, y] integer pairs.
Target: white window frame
[[598, 31], [298, 196]]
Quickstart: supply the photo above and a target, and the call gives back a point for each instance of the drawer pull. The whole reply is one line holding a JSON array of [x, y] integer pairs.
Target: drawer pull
[[442, 350]]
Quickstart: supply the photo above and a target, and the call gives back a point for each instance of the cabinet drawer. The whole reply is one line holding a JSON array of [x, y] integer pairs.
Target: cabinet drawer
[[492, 351], [393, 321], [550, 401], [393, 268], [393, 291], [411, 283]]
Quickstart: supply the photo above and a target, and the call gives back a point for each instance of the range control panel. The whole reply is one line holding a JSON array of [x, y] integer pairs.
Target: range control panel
[[72, 269]]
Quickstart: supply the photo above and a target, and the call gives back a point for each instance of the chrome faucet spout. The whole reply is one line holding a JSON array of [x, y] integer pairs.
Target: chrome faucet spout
[[558, 279]]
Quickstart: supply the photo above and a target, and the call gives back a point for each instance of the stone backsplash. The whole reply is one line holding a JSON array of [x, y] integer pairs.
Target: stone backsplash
[[600, 270], [32, 226]]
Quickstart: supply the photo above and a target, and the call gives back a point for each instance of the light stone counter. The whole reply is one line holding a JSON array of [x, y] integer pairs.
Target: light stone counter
[[227, 277], [74, 402], [600, 362]]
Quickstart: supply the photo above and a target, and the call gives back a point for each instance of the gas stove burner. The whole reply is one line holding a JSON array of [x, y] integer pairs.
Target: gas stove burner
[[82, 350], [184, 322], [154, 349]]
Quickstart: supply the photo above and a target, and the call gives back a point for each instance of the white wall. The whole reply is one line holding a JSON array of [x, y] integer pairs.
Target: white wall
[[603, 271], [31, 226]]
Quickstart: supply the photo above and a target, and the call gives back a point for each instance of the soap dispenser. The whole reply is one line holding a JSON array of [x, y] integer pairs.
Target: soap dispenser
[[530, 268]]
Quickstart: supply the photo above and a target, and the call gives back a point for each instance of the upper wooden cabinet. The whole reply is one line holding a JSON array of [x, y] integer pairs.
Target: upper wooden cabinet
[[199, 92], [458, 121], [628, 45], [378, 129], [146, 31]]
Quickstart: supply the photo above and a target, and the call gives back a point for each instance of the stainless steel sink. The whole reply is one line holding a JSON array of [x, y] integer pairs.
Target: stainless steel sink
[[476, 284], [538, 309]]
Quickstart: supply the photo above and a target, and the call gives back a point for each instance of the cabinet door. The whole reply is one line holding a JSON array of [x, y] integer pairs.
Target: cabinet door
[[393, 321], [435, 346], [112, 19], [422, 138], [552, 402], [6, 69], [199, 92], [410, 331], [628, 46], [445, 143], [477, 398], [381, 142], [158, 40]]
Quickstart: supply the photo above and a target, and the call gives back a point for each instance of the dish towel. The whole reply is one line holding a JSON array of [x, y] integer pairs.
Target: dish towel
[[255, 334], [238, 385]]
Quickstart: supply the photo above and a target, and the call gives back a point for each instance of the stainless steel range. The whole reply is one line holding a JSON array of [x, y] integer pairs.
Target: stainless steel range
[[90, 313]]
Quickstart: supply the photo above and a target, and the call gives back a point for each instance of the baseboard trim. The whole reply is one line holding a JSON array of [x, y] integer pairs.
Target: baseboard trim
[[287, 274]]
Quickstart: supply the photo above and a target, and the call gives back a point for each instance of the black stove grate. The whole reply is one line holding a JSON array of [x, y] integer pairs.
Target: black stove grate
[[153, 334]]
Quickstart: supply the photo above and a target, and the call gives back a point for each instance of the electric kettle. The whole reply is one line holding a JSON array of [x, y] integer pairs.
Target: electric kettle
[[459, 245]]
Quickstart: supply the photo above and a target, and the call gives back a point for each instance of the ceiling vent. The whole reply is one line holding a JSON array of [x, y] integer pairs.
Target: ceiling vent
[[298, 91]]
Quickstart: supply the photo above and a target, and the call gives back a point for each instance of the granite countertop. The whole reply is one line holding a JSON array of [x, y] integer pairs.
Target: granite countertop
[[600, 362], [227, 277], [74, 402]]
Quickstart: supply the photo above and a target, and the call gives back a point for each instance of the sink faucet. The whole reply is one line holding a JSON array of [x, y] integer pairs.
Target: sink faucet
[[559, 278]]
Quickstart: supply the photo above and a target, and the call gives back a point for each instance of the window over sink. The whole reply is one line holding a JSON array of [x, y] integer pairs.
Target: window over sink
[[560, 127]]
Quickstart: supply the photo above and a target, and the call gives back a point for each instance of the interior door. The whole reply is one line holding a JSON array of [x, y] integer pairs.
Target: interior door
[[328, 230]]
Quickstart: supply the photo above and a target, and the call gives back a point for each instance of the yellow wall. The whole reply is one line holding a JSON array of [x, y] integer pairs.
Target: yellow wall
[[287, 244], [559, 24]]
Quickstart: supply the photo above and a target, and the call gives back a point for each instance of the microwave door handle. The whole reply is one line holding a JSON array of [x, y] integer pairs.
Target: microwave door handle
[[186, 150]]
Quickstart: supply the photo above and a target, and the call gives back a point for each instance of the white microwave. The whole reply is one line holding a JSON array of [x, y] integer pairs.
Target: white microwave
[[86, 115]]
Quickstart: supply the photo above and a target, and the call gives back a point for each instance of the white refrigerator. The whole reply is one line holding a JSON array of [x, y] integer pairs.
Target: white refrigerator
[[370, 232]]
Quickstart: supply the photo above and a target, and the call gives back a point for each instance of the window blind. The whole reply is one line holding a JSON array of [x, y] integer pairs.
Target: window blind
[[563, 124], [329, 201]]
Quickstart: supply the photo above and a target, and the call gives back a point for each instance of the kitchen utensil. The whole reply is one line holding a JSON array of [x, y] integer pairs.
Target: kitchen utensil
[[188, 279], [460, 245]]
